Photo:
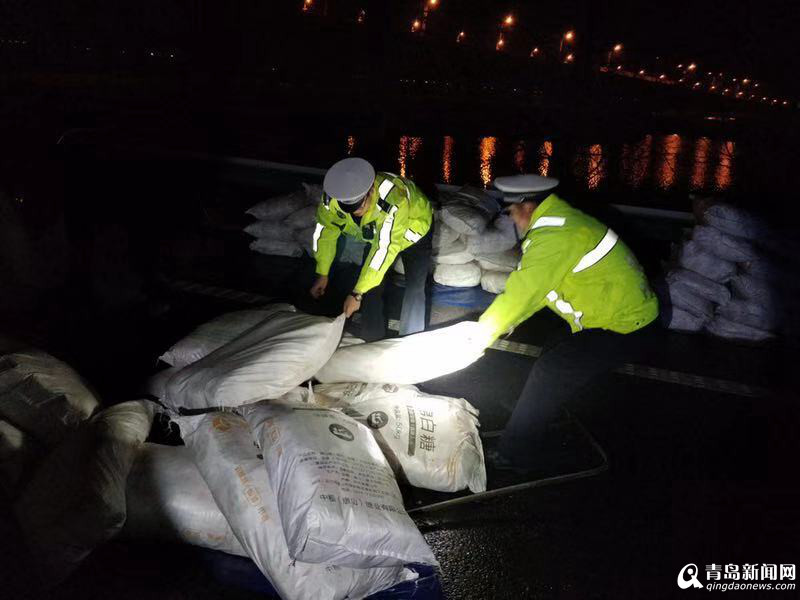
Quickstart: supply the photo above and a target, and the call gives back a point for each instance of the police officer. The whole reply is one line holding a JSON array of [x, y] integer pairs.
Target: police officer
[[578, 268], [394, 217]]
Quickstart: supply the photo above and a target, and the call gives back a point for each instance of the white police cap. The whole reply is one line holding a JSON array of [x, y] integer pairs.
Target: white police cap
[[517, 188], [349, 180]]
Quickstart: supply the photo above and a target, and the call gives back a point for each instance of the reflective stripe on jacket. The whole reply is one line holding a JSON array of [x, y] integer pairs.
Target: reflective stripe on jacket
[[398, 216], [580, 269]]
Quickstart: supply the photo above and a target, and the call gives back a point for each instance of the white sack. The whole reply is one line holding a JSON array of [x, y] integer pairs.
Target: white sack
[[468, 211], [684, 297], [751, 313], [502, 261], [303, 218], [18, 455], [76, 499], [499, 236], [468, 275], [494, 282], [443, 234], [702, 286], [398, 266], [455, 254], [278, 208], [276, 247], [43, 396], [696, 258], [409, 359], [682, 320], [217, 332], [759, 290], [338, 498], [725, 328], [305, 237], [430, 441], [225, 454], [168, 500], [723, 245], [266, 361], [270, 230], [737, 222], [157, 384]]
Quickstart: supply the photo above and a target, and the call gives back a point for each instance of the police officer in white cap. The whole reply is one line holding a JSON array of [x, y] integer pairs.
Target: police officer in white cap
[[393, 216]]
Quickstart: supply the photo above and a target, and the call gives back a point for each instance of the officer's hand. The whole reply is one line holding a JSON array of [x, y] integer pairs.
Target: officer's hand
[[319, 287], [351, 305]]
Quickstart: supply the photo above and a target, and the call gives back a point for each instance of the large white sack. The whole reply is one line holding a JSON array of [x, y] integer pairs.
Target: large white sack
[[684, 297], [702, 286], [269, 230], [264, 362], [455, 254], [723, 245], [217, 332], [270, 247], [76, 499], [305, 237], [302, 219], [18, 455], [696, 258], [751, 313], [468, 211], [499, 236], [279, 207], [43, 396], [725, 328], [157, 384], [338, 498], [443, 234], [168, 500], [682, 320], [759, 290], [409, 359], [494, 282], [225, 454], [468, 275], [737, 222], [430, 441], [502, 261]]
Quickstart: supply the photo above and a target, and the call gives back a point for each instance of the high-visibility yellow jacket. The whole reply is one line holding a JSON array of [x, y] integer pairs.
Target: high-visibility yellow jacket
[[398, 216], [580, 269]]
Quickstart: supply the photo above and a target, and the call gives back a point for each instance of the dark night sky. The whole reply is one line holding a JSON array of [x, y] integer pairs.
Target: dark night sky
[[743, 37]]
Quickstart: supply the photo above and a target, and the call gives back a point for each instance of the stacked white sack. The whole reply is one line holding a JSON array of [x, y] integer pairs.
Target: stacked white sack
[[285, 223], [264, 362], [430, 441], [223, 449], [338, 498], [168, 500]]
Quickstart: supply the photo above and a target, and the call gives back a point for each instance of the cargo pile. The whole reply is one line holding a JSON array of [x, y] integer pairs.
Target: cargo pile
[[473, 243], [728, 280], [303, 480]]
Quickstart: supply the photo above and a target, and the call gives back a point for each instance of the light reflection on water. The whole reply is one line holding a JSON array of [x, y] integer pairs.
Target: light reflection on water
[[488, 150], [664, 162]]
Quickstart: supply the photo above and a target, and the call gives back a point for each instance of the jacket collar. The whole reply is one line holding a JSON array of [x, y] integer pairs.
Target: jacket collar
[[541, 210]]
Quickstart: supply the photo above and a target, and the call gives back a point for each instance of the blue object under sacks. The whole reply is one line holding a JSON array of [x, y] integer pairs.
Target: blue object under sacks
[[472, 297], [239, 572]]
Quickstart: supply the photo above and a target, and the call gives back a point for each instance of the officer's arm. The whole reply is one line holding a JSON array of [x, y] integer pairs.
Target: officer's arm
[[325, 236], [392, 239], [543, 266]]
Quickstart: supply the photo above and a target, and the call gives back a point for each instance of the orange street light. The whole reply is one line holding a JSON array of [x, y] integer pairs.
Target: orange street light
[[460, 37], [433, 3], [745, 81], [696, 85], [535, 51], [569, 58], [680, 66], [508, 21], [500, 43], [619, 67], [641, 72], [362, 16], [785, 102], [712, 88], [568, 37], [662, 76], [416, 26], [307, 4], [617, 48], [692, 67]]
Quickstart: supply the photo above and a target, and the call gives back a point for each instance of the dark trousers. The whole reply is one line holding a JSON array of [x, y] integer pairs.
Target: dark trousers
[[417, 264], [561, 372]]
